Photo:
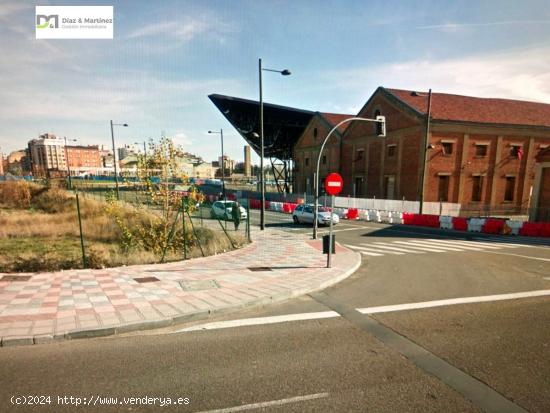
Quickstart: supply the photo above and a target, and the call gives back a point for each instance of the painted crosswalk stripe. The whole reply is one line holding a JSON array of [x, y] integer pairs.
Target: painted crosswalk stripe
[[371, 254], [492, 243], [367, 248], [438, 245], [383, 245], [411, 244], [467, 245]]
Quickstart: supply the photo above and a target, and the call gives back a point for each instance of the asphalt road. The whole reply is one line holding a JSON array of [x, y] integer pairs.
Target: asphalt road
[[467, 357]]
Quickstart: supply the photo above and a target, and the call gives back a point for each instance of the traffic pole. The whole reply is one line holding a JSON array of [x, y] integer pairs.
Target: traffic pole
[[329, 264]]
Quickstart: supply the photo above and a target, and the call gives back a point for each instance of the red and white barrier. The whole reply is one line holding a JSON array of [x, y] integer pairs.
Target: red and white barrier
[[445, 222]]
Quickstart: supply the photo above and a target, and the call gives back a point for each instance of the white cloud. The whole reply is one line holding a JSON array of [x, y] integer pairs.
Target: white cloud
[[11, 8], [181, 138], [517, 74], [186, 29], [455, 27]]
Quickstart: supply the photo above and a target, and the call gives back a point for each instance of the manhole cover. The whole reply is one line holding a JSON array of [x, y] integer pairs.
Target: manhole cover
[[198, 285], [257, 269], [16, 278], [146, 279]]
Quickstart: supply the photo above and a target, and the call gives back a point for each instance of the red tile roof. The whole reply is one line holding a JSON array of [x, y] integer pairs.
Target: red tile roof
[[335, 118], [472, 109]]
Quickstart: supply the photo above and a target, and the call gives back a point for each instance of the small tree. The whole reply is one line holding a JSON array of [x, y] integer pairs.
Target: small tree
[[158, 175]]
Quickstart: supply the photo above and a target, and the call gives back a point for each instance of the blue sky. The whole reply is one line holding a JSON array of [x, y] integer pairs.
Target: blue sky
[[167, 56]]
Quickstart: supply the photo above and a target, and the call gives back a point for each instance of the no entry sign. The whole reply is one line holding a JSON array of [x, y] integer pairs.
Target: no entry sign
[[333, 184]]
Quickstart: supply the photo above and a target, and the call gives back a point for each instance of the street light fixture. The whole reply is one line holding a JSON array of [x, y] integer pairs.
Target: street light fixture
[[284, 72], [380, 120], [114, 155], [425, 146], [67, 160], [223, 161]]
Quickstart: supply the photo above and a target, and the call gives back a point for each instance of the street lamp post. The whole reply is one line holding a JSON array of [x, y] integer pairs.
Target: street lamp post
[[67, 160], [382, 133], [222, 162], [426, 147], [144, 155], [284, 72], [114, 155]]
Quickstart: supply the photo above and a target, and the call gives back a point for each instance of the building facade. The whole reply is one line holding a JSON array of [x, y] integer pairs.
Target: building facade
[[85, 157], [307, 148], [540, 205], [47, 153], [479, 152]]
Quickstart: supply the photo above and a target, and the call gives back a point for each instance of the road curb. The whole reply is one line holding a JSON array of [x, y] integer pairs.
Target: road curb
[[9, 341]]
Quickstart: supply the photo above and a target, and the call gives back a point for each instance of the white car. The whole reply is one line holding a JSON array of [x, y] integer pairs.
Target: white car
[[304, 214], [222, 210]]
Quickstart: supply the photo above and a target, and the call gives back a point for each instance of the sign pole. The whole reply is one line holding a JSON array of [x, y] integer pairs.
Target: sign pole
[[330, 232]]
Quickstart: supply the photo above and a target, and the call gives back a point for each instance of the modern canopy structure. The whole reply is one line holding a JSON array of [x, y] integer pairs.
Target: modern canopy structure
[[283, 126]]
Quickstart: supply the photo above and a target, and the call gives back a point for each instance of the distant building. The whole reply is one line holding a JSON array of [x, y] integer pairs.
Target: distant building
[[17, 162], [125, 151], [228, 164], [83, 157], [47, 153], [204, 170], [129, 163]]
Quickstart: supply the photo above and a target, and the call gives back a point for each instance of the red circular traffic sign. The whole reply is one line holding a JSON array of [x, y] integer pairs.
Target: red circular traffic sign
[[333, 184]]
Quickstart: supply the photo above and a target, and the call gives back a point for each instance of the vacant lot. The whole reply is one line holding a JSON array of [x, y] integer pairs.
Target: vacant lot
[[39, 231]]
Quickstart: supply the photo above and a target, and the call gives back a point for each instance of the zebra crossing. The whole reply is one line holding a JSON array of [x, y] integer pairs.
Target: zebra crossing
[[423, 246]]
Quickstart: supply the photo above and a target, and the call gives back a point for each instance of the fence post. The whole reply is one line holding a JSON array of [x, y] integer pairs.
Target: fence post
[[194, 233], [80, 228], [225, 231]]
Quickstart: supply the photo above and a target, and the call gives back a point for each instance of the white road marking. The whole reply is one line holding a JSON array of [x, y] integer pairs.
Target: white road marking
[[383, 245], [367, 310], [453, 301], [467, 245], [437, 245], [371, 254], [260, 320], [493, 243], [263, 405], [518, 255], [410, 244], [368, 249]]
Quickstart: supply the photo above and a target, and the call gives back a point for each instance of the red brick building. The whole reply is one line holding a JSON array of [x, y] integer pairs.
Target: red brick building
[[540, 205], [481, 151], [84, 157], [307, 148]]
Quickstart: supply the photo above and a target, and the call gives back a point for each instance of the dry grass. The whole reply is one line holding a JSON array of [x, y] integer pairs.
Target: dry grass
[[39, 232]]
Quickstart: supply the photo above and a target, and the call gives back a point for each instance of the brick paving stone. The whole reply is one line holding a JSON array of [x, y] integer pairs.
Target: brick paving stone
[[52, 304]]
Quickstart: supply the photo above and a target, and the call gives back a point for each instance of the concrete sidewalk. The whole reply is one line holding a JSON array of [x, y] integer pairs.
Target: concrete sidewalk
[[91, 303]]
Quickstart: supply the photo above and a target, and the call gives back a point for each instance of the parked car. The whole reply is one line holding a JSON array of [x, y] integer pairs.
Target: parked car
[[222, 210], [304, 214]]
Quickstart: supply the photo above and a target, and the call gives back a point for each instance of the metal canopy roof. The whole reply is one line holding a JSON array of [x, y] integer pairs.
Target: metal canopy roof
[[282, 125]]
